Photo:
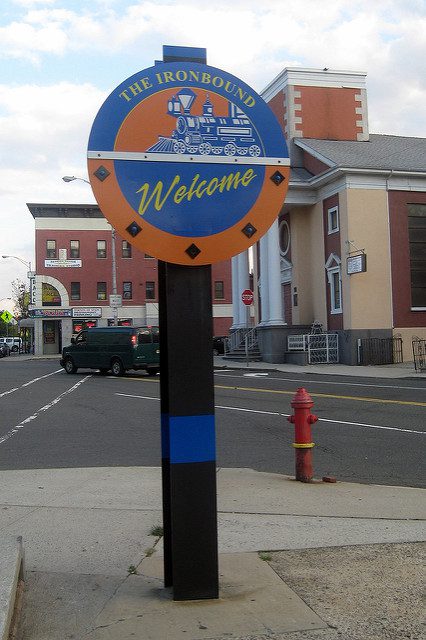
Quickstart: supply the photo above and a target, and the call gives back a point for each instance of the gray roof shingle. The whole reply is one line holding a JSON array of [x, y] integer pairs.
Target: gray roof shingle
[[384, 152]]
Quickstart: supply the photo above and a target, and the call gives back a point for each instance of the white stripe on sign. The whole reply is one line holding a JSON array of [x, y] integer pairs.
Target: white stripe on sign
[[177, 157]]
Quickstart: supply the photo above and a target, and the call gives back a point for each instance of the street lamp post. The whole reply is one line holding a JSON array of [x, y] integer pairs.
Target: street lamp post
[[113, 257], [72, 178], [27, 264]]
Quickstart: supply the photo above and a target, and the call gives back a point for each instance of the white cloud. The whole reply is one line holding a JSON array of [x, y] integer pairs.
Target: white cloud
[[44, 127]]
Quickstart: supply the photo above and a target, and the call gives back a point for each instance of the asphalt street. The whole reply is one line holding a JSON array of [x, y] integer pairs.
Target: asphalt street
[[369, 430]]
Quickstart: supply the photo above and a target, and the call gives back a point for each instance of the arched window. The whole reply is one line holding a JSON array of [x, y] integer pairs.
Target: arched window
[[334, 277]]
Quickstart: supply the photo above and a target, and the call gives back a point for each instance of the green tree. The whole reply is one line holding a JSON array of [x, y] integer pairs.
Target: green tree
[[20, 296]]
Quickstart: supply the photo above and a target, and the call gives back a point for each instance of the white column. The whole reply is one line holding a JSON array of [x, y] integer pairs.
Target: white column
[[243, 283], [276, 315], [264, 281], [235, 297]]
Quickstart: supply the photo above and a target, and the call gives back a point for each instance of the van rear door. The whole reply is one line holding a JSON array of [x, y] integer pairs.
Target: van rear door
[[147, 347]]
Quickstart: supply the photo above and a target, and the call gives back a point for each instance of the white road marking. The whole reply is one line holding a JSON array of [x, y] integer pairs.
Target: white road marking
[[254, 375], [26, 384], [46, 407], [285, 415]]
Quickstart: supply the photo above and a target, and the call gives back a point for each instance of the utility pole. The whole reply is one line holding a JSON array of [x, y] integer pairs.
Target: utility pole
[[114, 275]]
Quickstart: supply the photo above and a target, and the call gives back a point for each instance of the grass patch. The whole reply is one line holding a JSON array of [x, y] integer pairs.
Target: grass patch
[[157, 531]]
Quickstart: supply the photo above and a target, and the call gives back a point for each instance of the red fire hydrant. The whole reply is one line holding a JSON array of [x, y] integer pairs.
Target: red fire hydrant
[[302, 420]]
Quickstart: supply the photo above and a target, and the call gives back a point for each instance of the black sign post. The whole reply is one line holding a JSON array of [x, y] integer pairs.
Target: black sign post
[[188, 428]]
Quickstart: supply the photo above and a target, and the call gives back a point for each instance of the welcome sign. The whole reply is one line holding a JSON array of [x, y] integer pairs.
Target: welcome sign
[[188, 163]]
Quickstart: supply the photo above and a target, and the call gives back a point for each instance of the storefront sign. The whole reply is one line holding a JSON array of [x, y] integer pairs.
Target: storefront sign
[[188, 163], [86, 312], [50, 295], [356, 264], [62, 263], [51, 313]]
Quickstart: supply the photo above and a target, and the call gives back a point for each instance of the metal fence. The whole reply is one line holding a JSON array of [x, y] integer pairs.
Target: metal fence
[[419, 354], [322, 348], [379, 351]]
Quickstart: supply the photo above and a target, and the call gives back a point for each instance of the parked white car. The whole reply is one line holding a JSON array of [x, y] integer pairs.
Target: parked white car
[[14, 344]]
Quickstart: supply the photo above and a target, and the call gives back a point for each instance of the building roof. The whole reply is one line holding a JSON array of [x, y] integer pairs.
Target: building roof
[[42, 210], [380, 152]]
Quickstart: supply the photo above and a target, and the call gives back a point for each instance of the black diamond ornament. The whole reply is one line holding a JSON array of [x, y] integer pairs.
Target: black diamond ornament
[[193, 251], [133, 229], [277, 178], [249, 230], [101, 173]]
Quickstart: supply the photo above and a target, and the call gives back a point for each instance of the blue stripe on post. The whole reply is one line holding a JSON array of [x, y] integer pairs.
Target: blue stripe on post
[[192, 439]]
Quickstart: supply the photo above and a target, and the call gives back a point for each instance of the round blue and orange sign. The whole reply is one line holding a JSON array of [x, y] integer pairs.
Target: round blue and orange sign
[[188, 163]]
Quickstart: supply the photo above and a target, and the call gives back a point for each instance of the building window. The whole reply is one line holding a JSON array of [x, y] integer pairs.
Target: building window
[[334, 278], [284, 237], [126, 249], [148, 257], [335, 282], [150, 290], [74, 248], [101, 291], [417, 240], [219, 290], [75, 291], [127, 291], [50, 248], [333, 220], [101, 249]]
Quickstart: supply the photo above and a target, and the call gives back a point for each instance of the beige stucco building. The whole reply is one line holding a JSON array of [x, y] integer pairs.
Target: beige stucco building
[[348, 250]]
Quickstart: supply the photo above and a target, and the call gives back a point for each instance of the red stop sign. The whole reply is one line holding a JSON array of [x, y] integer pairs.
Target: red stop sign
[[247, 297]]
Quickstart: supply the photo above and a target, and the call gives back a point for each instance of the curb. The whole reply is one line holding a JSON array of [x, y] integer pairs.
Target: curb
[[11, 575]]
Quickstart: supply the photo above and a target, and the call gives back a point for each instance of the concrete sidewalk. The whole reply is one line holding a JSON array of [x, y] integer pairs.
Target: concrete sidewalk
[[85, 531], [403, 370]]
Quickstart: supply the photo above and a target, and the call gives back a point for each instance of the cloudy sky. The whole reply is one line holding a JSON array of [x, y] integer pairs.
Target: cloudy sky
[[59, 59]]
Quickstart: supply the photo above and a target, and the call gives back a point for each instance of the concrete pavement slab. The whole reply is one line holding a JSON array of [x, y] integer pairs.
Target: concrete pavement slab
[[253, 600], [85, 540], [61, 606], [251, 532], [120, 487], [250, 491]]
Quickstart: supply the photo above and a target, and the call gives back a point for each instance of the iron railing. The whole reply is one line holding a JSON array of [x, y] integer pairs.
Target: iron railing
[[419, 354], [237, 339], [372, 351]]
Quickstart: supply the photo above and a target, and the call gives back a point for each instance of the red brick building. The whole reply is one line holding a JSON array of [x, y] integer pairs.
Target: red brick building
[[81, 262]]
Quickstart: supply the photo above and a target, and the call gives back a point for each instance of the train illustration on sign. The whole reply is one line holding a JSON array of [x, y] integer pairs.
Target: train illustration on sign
[[207, 134]]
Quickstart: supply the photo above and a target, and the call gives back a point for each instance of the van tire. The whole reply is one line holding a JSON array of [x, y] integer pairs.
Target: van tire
[[69, 366], [117, 368], [14, 348]]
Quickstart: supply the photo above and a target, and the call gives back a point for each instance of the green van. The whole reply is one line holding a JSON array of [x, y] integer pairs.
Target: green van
[[115, 349]]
